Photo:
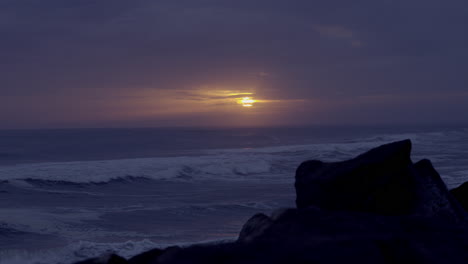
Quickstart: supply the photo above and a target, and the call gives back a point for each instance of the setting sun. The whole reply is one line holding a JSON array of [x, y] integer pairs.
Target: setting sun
[[247, 101]]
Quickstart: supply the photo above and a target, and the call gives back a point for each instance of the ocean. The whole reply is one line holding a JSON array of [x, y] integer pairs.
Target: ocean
[[67, 195]]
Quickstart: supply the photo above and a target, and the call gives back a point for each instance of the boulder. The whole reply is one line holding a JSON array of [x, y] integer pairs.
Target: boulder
[[433, 199], [382, 181], [254, 227], [461, 194], [376, 181]]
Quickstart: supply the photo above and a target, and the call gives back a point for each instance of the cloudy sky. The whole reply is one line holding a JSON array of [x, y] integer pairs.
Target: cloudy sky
[[120, 63]]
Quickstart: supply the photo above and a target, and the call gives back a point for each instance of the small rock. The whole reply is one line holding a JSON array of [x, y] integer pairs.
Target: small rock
[[254, 227]]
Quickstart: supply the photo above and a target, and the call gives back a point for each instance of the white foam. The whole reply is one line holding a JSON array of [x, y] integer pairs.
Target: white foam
[[83, 250], [222, 166], [227, 165], [231, 164], [41, 221], [75, 252]]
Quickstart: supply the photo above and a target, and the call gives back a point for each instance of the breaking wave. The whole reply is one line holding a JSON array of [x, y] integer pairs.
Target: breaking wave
[[75, 252], [227, 164]]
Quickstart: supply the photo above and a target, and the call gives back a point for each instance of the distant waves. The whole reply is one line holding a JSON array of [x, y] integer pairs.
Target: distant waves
[[448, 151]]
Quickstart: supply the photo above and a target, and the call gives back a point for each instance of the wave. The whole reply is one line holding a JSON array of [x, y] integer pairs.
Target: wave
[[85, 250], [177, 168], [75, 252], [47, 183], [235, 164], [5, 230], [227, 164]]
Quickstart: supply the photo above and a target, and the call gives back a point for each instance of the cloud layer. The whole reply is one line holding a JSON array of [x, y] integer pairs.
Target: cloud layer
[[118, 63]]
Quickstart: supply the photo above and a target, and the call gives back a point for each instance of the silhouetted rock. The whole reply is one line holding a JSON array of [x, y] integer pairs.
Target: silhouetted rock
[[433, 197], [105, 259], [461, 194], [382, 181], [376, 181], [146, 257], [312, 235], [254, 227]]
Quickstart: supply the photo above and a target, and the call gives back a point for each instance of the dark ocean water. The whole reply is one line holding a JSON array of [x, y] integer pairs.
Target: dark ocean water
[[73, 194]]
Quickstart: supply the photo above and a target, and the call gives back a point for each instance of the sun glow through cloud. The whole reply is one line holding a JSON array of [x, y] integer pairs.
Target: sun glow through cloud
[[247, 101]]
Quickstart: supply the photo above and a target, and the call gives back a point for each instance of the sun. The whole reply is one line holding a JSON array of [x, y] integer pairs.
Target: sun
[[247, 101]]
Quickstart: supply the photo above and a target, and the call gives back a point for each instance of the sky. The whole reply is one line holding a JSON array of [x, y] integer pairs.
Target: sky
[[156, 63]]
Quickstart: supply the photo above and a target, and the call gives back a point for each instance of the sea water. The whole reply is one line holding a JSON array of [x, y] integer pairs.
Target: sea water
[[68, 195]]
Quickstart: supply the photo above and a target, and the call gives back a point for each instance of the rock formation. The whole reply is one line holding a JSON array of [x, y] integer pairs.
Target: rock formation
[[461, 194]]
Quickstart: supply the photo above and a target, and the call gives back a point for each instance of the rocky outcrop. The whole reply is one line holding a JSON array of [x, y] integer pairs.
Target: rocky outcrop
[[376, 181], [254, 227], [379, 207], [433, 200], [461, 194], [383, 181]]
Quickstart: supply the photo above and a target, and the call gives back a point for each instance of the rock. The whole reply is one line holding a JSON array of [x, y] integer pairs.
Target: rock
[[203, 253], [382, 181], [147, 257], [320, 236], [376, 181], [461, 194], [254, 227], [433, 197], [105, 259], [323, 236]]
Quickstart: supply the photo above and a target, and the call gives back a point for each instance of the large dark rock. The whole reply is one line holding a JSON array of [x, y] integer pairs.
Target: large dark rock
[[312, 235], [433, 199], [382, 181], [461, 194], [376, 181]]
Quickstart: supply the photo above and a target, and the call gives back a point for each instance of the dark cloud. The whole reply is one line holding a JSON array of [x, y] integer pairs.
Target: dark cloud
[[334, 50]]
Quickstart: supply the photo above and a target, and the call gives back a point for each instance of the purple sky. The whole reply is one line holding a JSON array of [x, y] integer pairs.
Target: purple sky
[[120, 63]]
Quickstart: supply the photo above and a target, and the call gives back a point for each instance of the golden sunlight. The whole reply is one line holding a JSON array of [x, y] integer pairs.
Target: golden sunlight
[[247, 101]]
